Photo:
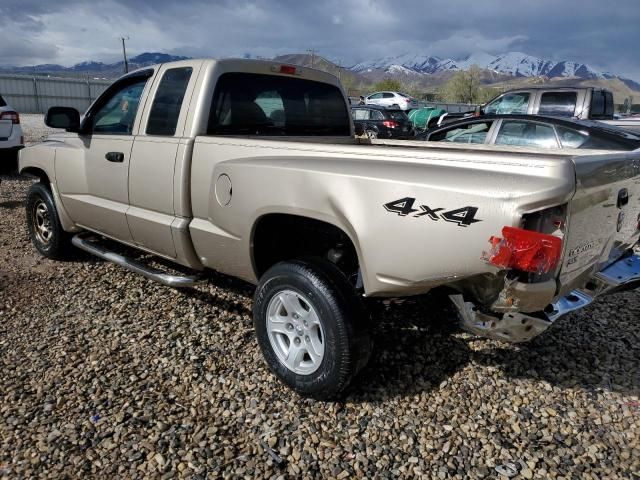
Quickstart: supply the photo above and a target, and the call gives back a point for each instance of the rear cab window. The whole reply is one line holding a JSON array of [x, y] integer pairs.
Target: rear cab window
[[561, 104], [272, 105], [2, 102]]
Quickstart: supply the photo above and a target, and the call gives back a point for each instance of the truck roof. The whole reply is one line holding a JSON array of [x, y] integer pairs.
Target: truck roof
[[247, 65]]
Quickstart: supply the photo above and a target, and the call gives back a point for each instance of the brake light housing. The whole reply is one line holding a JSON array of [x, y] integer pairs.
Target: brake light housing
[[525, 250], [13, 116], [288, 69], [390, 123]]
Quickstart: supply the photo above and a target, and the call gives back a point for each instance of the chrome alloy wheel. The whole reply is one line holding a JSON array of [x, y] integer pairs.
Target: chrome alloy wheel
[[42, 222], [295, 332]]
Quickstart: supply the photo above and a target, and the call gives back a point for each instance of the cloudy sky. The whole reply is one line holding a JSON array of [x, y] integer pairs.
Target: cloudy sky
[[601, 33]]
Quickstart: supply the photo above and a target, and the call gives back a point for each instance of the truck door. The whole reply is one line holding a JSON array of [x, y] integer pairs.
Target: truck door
[[93, 171], [158, 173]]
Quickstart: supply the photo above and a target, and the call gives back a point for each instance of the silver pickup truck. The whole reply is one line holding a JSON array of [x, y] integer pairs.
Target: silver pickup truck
[[251, 168], [583, 103]]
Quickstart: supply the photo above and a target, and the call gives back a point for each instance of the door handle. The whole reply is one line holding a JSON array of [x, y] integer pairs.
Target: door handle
[[116, 157]]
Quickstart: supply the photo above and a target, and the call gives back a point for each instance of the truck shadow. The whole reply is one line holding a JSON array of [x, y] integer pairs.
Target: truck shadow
[[416, 351], [417, 347]]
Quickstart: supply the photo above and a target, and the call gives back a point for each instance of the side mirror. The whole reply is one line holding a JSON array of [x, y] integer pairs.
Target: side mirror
[[63, 117], [478, 111]]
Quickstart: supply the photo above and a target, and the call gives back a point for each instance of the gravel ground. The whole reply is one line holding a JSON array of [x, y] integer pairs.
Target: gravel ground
[[34, 128], [107, 375]]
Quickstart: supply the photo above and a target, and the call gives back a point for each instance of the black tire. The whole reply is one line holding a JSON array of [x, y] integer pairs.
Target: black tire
[[41, 210], [344, 322]]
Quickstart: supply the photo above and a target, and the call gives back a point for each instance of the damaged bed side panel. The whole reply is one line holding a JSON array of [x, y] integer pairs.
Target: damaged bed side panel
[[418, 218]]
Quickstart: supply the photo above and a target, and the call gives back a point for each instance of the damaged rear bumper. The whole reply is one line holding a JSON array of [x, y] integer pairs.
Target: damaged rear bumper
[[516, 327]]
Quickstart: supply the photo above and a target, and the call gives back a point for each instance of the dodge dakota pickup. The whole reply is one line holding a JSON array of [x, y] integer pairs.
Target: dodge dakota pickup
[[251, 168]]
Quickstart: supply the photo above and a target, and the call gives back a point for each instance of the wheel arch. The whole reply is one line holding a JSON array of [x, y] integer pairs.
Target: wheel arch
[[38, 173], [314, 237]]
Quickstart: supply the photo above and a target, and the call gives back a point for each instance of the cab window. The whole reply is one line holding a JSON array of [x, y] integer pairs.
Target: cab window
[[167, 103], [257, 104], [117, 113], [511, 103], [561, 104]]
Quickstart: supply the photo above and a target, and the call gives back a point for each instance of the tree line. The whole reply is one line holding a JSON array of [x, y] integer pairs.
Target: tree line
[[464, 86]]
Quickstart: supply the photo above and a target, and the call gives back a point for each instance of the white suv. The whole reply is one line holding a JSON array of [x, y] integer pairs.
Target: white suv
[[392, 99], [11, 138]]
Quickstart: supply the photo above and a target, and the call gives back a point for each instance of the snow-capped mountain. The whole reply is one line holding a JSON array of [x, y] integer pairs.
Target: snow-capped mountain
[[517, 64], [415, 63]]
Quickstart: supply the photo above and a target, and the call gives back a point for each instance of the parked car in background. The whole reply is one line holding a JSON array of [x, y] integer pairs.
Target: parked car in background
[[380, 122], [11, 138], [392, 99], [534, 131]]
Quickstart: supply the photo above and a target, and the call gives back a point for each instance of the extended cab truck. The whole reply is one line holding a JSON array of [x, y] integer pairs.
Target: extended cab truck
[[250, 168], [584, 103]]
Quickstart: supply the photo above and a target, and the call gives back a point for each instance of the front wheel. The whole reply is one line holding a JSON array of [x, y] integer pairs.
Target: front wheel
[[311, 327], [43, 223]]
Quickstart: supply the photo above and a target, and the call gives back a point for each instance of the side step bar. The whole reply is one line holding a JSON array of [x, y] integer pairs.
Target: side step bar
[[175, 281]]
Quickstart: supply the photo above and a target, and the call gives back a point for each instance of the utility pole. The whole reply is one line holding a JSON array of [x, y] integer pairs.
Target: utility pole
[[124, 54], [312, 51]]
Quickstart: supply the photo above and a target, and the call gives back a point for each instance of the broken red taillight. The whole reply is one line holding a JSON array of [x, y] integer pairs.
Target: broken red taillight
[[525, 250], [390, 124]]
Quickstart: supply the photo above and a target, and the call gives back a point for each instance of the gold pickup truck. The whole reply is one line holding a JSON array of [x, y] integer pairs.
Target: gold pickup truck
[[251, 168]]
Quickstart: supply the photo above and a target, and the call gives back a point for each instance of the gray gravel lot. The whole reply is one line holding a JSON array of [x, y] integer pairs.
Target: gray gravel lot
[[34, 128], [104, 374]]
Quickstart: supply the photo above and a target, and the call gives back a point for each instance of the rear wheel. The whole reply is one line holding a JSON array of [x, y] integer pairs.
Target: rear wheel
[[43, 223], [311, 327], [371, 134]]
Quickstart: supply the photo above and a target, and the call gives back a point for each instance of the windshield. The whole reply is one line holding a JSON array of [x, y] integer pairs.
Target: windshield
[[255, 104]]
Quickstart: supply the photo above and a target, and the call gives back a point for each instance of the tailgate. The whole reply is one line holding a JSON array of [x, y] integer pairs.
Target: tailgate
[[6, 126], [603, 214]]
